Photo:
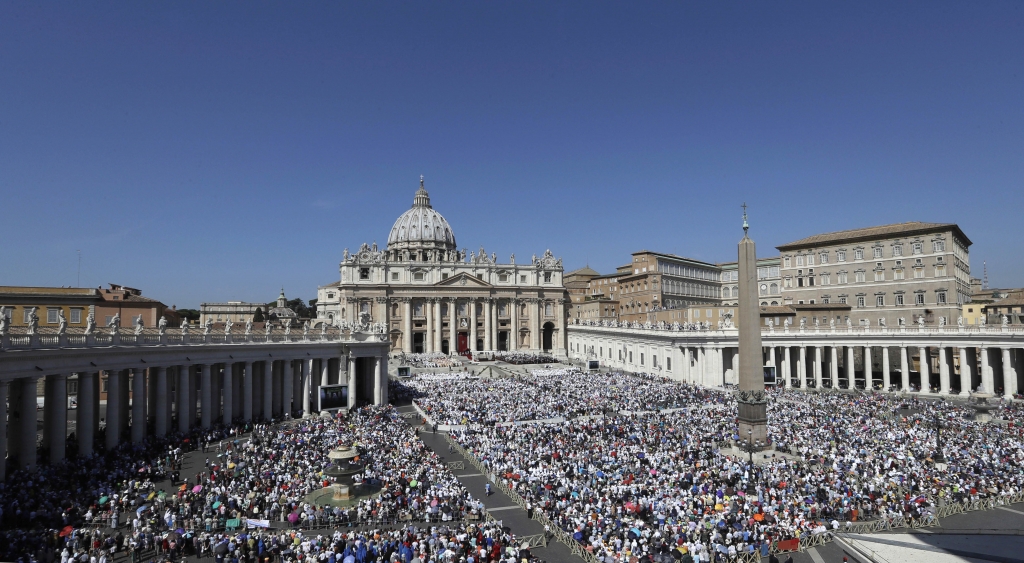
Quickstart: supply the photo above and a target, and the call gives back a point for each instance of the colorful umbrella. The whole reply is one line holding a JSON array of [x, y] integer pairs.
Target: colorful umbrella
[[216, 505], [151, 495], [103, 500], [197, 488], [66, 530]]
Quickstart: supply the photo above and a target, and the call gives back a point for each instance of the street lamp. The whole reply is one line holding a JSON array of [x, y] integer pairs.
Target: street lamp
[[938, 457]]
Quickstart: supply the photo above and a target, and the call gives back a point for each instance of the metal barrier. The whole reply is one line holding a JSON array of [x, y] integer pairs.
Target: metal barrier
[[456, 465]]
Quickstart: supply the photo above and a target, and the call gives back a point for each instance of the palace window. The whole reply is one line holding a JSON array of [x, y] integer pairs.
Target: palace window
[[786, 262], [918, 273], [842, 300], [940, 271], [861, 278], [898, 275], [394, 276], [51, 315], [547, 277], [918, 247], [810, 259], [879, 275], [878, 252], [858, 254], [824, 258], [418, 276], [76, 316], [940, 297], [860, 301], [897, 250], [880, 300], [899, 299], [503, 277], [938, 246], [919, 298], [364, 273], [522, 279], [840, 256]]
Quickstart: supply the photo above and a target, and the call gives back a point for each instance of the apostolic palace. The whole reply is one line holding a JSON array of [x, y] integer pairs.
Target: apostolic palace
[[432, 297]]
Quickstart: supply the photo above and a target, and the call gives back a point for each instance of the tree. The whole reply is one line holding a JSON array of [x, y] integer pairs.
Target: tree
[[189, 314], [257, 317]]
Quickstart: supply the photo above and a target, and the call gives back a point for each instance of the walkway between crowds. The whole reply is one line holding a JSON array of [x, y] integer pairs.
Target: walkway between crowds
[[500, 505]]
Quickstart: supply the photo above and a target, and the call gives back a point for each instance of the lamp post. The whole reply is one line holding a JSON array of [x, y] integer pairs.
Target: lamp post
[[938, 457]]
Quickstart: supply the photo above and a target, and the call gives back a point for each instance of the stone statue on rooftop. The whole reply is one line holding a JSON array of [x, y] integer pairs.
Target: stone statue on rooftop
[[207, 326], [184, 327], [960, 321], [248, 327], [33, 321], [161, 326], [115, 324], [138, 325], [228, 326], [63, 328], [3, 321]]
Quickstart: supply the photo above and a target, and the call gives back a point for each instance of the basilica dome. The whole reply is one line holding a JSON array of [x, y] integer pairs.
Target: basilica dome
[[421, 227]]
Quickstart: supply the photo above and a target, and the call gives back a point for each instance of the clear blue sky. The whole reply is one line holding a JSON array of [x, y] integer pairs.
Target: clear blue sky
[[208, 151]]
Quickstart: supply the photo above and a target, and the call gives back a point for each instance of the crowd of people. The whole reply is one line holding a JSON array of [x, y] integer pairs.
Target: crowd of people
[[430, 360], [565, 392], [644, 484], [524, 358]]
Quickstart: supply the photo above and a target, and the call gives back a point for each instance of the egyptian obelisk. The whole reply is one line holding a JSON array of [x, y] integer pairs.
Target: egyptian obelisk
[[751, 399]]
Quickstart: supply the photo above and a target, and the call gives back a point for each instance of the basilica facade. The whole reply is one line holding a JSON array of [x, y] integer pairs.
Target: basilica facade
[[431, 297]]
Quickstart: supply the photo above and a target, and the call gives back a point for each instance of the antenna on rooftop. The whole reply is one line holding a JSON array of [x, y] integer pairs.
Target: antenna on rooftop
[[984, 281]]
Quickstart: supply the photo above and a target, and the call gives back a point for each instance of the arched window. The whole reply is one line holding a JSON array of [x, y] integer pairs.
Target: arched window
[[773, 289]]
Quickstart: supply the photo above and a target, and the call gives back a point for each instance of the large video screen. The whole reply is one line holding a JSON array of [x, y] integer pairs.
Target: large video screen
[[333, 397], [769, 375]]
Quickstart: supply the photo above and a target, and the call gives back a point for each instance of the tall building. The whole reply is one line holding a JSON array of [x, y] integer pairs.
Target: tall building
[[886, 274], [77, 304], [432, 297], [655, 282], [769, 282]]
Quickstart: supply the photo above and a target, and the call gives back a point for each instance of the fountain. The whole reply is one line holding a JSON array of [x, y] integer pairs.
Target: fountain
[[344, 464], [982, 408]]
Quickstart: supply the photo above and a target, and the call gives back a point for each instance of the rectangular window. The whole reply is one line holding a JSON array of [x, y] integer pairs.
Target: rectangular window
[[394, 276], [823, 258], [630, 356], [897, 275], [785, 262], [880, 300], [668, 364], [939, 246], [918, 247], [364, 273], [810, 259], [547, 309], [773, 271], [919, 298], [940, 271], [918, 273], [860, 301], [878, 252], [51, 315], [899, 299], [108, 319], [940, 297], [547, 277], [858, 254], [522, 279], [879, 275], [842, 300], [641, 358], [861, 277], [708, 313], [76, 316], [799, 260], [825, 300], [840, 256], [503, 277], [418, 276], [897, 250]]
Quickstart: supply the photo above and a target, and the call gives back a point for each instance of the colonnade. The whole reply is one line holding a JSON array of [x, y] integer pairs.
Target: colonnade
[[129, 404]]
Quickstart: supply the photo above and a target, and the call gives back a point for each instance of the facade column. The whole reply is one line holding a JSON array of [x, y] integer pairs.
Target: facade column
[[138, 404], [160, 380], [886, 378], [513, 330], [407, 325], [438, 324], [453, 340], [428, 310], [987, 380], [287, 403], [4, 390], [834, 367], [487, 323], [817, 367], [786, 369], [1009, 375], [307, 388], [943, 370], [186, 407], [113, 409], [771, 357], [965, 372], [352, 381], [924, 369], [869, 382], [851, 372], [268, 390], [535, 324], [904, 369], [801, 367], [58, 425], [471, 337], [85, 415], [325, 373], [28, 431], [376, 381], [206, 386]]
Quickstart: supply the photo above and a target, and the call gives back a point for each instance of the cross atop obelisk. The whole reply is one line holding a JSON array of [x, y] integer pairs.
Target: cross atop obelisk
[[752, 404]]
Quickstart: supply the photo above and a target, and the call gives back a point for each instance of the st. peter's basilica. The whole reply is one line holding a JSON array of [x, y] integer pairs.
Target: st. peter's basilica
[[430, 295]]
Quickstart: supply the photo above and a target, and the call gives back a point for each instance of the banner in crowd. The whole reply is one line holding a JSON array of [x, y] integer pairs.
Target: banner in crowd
[[253, 523]]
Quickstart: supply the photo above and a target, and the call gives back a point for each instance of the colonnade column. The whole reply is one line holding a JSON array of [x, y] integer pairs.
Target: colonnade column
[[904, 370], [247, 392], [868, 371], [228, 393], [268, 390], [113, 416], [965, 372], [206, 400], [787, 372], [834, 367], [1009, 375], [4, 387], [487, 324], [186, 412], [439, 324], [407, 325], [138, 405], [376, 381], [58, 425], [801, 367], [27, 440], [851, 372], [287, 385], [160, 383], [85, 415], [987, 380], [943, 370], [817, 367], [923, 369], [535, 324], [886, 380], [307, 388], [352, 381]]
